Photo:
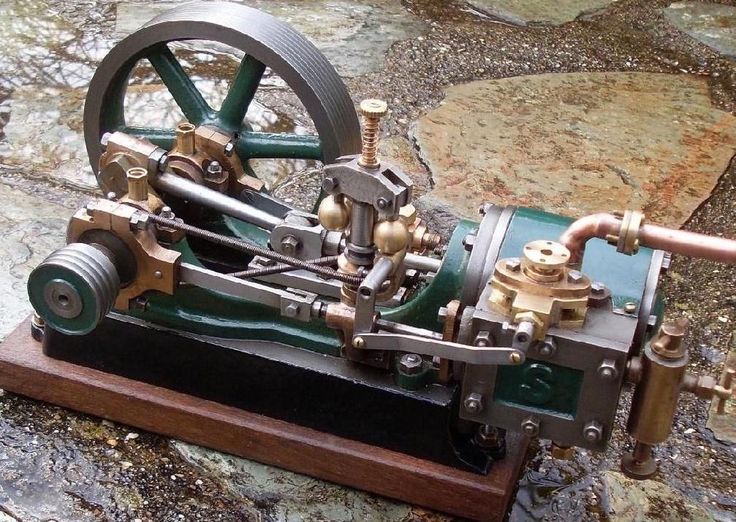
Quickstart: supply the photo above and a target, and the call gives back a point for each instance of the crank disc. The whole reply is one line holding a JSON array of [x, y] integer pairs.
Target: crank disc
[[266, 42]]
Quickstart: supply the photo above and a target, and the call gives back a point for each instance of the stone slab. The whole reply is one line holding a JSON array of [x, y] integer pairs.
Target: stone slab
[[538, 12], [579, 143], [711, 24]]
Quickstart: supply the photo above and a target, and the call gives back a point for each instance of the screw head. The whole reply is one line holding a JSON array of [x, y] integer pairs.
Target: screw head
[[530, 426], [469, 242], [373, 108], [290, 245], [630, 308], [473, 403], [574, 276], [359, 342], [514, 358], [229, 149], [382, 203], [410, 363], [158, 274], [513, 264]]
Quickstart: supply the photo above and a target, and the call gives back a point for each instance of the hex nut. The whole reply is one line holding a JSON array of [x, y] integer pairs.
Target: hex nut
[[469, 242], [410, 363], [292, 310], [547, 348], [329, 184], [593, 431], [575, 276], [473, 403], [289, 245], [229, 149]]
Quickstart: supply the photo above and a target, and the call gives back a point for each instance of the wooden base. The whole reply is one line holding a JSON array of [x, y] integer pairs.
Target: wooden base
[[25, 370]]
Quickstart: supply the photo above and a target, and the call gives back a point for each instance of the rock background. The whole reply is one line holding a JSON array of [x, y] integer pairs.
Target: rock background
[[631, 103]]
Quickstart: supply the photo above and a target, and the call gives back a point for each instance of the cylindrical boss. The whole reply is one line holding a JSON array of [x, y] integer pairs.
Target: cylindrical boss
[[655, 399]]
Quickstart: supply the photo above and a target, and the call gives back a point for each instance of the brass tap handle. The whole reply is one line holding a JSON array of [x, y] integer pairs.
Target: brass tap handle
[[724, 391]]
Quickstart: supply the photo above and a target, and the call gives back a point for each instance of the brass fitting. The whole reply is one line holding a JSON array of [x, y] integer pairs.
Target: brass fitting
[[627, 239], [372, 111], [137, 183], [185, 138]]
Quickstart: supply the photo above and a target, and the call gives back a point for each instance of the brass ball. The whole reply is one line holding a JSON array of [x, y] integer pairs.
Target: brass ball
[[390, 236], [333, 214]]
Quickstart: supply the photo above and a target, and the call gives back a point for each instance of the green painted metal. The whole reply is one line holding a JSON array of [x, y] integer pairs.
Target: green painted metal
[[624, 275], [241, 93], [540, 386], [230, 117], [85, 322], [206, 312], [421, 310], [416, 381], [181, 87], [253, 145]]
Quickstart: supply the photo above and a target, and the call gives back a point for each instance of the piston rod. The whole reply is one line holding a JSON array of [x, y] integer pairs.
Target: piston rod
[[207, 197]]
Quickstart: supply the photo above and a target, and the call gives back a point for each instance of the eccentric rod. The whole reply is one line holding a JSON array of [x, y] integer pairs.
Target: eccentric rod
[[253, 249]]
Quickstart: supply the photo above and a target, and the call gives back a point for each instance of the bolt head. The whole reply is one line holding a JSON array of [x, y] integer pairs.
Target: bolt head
[[229, 149], [104, 140], [359, 343], [530, 426], [373, 108], [574, 276], [630, 308], [597, 287], [607, 370], [593, 431], [513, 264], [214, 168], [473, 403], [292, 310], [469, 242], [514, 358], [329, 184], [290, 245], [547, 348], [382, 203], [410, 363], [158, 274]]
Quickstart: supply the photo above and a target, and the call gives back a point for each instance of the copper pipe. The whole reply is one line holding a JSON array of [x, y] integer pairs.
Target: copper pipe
[[687, 243], [653, 236], [585, 228]]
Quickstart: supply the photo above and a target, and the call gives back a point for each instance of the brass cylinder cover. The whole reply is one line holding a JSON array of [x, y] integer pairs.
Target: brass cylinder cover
[[653, 406]]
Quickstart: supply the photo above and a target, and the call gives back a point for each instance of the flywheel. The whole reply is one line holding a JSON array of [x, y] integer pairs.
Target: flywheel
[[266, 43]]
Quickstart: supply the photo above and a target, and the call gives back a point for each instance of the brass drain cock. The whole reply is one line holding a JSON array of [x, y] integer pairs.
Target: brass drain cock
[[372, 111]]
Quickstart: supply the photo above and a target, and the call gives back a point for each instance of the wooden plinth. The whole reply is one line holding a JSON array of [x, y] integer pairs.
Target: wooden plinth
[[26, 371]]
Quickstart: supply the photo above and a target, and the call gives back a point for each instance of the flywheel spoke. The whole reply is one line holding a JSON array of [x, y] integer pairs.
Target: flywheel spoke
[[163, 138], [273, 145], [181, 87], [241, 92]]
